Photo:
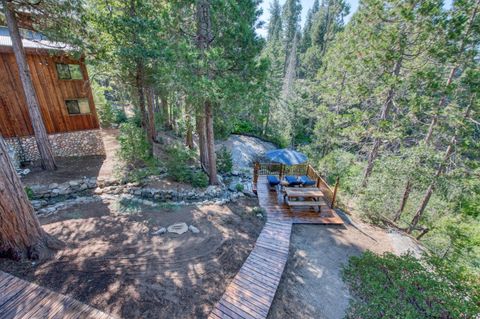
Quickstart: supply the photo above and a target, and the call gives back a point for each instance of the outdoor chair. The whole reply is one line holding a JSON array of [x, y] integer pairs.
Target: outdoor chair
[[293, 181], [306, 181], [273, 181]]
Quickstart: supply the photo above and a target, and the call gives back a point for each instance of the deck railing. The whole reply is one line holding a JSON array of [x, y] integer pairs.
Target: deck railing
[[263, 169]]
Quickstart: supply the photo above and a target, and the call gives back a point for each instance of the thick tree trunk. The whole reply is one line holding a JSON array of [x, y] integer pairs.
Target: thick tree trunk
[[204, 37], [212, 158], [406, 194], [202, 139], [21, 235], [151, 115], [387, 105], [41, 137]]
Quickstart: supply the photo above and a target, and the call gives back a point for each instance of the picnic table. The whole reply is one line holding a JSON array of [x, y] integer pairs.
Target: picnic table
[[304, 196]]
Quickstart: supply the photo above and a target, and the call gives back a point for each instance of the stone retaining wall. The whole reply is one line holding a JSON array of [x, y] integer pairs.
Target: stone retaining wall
[[70, 144], [48, 195]]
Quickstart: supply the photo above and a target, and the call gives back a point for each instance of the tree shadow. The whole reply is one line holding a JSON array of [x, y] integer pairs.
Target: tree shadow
[[114, 263]]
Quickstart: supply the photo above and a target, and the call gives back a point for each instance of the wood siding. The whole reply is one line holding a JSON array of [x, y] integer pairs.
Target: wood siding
[[51, 92]]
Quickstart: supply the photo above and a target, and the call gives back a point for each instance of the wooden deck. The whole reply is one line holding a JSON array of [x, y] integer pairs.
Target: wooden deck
[[22, 299], [275, 205], [252, 290]]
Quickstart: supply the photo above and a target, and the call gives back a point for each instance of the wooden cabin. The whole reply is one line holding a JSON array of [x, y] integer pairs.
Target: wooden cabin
[[64, 95]]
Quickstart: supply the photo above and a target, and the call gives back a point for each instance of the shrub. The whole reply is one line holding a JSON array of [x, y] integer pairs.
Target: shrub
[[29, 192], [119, 115], [199, 179], [178, 164], [239, 187], [134, 147], [224, 160], [390, 286]]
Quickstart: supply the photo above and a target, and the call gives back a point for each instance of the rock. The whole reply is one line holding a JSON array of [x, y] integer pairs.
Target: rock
[[259, 215], [53, 185], [178, 228], [193, 229], [161, 231], [249, 193], [38, 203], [74, 183], [98, 191]]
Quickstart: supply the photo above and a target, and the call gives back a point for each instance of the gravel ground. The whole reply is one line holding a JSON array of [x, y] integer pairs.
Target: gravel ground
[[312, 285]]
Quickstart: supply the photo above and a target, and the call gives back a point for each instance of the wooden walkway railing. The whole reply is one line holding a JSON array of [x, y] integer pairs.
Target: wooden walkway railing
[[262, 169], [23, 299]]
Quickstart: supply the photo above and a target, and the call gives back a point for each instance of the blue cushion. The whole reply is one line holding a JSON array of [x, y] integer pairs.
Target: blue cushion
[[293, 180], [273, 180], [307, 181]]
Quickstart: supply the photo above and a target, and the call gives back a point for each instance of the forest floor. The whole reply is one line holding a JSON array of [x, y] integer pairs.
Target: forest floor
[[312, 285], [115, 263]]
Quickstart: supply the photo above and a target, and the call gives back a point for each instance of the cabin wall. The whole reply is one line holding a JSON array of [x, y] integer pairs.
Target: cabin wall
[[70, 135], [51, 93]]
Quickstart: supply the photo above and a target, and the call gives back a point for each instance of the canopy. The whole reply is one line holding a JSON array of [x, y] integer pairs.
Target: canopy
[[286, 156]]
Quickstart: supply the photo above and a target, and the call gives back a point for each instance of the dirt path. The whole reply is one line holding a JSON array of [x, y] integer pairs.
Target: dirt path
[[70, 168], [312, 286]]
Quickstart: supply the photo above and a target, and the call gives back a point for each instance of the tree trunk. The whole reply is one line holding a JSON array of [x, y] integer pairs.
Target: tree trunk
[[151, 115], [443, 100], [202, 140], [441, 166], [406, 194], [387, 105], [189, 133], [140, 83], [212, 158], [165, 112], [204, 37], [41, 137], [21, 235]]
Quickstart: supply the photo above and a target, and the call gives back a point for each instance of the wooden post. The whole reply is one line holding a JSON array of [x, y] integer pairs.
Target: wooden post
[[308, 170], [335, 193], [256, 167]]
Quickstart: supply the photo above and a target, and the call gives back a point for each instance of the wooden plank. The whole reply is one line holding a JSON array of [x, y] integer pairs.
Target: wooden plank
[[311, 203], [254, 287], [21, 299]]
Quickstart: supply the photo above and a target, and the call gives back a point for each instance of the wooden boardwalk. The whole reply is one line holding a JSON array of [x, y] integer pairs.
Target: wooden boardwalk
[[252, 290], [22, 299]]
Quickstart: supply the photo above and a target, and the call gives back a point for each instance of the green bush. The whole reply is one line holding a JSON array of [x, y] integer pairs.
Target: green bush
[[239, 187], [29, 192], [134, 147], [119, 115], [224, 160], [179, 160], [199, 179], [390, 286], [179, 166]]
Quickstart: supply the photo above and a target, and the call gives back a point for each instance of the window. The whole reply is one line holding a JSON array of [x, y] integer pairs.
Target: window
[[69, 71], [77, 106]]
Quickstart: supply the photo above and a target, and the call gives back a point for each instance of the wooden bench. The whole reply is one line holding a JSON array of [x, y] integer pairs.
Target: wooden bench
[[311, 203]]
